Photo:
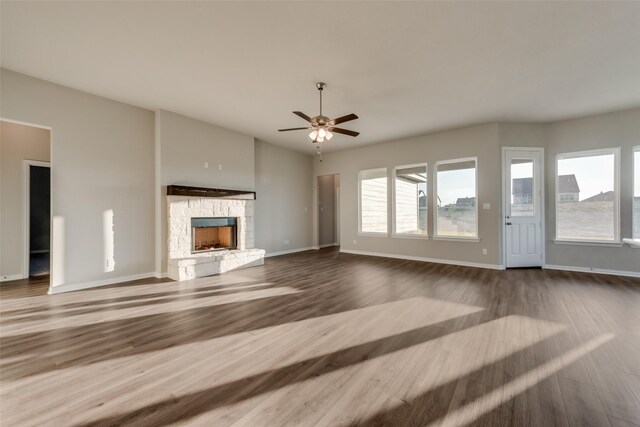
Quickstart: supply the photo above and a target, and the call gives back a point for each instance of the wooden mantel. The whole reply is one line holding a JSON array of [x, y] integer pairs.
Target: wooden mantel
[[183, 190]]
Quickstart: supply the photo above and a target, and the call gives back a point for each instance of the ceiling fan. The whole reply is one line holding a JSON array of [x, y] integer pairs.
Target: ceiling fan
[[324, 127]]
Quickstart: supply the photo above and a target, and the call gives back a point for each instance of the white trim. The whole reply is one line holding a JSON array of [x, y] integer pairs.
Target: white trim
[[634, 243], [87, 285], [10, 277], [291, 251], [591, 270], [424, 259], [411, 236], [160, 245], [370, 233], [616, 184], [457, 239], [19, 122], [26, 210], [437, 236], [160, 275], [635, 169], [542, 204], [393, 201], [611, 244]]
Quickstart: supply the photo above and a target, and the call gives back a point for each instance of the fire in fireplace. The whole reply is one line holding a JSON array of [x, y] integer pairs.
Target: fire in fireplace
[[213, 234]]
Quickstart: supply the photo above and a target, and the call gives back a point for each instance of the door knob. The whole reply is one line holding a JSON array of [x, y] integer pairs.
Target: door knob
[[507, 223]]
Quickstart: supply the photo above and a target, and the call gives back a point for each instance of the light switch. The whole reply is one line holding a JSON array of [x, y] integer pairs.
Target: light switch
[[486, 206], [220, 167], [206, 165]]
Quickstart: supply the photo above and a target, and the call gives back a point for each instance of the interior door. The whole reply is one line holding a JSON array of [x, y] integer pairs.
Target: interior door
[[523, 207]]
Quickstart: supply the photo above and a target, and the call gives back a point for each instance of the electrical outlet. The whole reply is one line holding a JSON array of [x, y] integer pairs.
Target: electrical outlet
[[305, 208], [286, 242], [354, 241], [486, 206], [220, 167], [484, 251]]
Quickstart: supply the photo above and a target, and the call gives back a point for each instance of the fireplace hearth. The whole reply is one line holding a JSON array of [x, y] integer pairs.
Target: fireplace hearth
[[213, 234]]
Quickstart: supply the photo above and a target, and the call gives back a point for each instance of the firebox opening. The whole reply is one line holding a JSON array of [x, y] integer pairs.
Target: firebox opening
[[213, 234]]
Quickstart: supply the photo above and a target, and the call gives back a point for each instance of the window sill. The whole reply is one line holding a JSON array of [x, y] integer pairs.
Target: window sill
[[611, 244], [371, 234], [634, 243], [411, 236], [458, 239]]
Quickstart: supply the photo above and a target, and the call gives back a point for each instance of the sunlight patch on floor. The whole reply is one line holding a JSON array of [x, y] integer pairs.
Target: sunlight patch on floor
[[138, 310], [474, 410]]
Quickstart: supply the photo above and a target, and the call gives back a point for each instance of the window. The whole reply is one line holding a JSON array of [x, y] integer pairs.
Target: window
[[587, 196], [373, 201], [522, 188], [410, 200], [636, 193], [455, 199]]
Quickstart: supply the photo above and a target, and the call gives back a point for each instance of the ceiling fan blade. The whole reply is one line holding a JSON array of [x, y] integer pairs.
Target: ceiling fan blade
[[302, 115], [345, 131], [343, 119], [285, 130]]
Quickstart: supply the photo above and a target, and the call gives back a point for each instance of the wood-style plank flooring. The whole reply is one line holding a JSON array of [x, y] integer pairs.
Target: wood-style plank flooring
[[323, 338]]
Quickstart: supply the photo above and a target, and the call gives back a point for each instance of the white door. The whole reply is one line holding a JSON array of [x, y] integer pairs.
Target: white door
[[523, 207]]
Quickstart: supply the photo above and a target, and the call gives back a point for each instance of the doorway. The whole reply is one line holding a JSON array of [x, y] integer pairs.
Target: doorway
[[38, 216], [25, 197], [328, 210], [523, 208]]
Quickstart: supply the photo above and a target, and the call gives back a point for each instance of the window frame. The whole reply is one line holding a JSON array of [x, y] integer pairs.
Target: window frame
[[372, 233], [634, 169], [434, 196], [393, 203], [616, 203]]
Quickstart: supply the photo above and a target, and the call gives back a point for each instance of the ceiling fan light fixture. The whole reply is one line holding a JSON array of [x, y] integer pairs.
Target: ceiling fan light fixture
[[322, 132], [328, 135], [313, 135]]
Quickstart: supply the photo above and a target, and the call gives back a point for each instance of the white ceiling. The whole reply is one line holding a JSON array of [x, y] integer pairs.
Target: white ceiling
[[404, 68]]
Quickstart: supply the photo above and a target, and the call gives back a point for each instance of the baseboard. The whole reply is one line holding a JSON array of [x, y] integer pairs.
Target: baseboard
[[327, 245], [159, 275], [11, 277], [87, 285], [592, 270], [424, 259], [289, 251]]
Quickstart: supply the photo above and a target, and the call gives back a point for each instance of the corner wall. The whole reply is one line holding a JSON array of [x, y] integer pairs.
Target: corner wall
[[283, 199], [102, 160]]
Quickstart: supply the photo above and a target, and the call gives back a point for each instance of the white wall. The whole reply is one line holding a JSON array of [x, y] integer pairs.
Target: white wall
[[102, 159], [17, 143], [284, 199], [183, 145], [481, 141]]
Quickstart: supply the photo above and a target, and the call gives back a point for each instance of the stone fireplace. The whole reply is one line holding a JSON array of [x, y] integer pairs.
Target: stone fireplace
[[209, 232]]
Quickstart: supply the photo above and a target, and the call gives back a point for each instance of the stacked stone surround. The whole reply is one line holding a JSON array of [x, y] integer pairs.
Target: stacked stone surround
[[184, 265]]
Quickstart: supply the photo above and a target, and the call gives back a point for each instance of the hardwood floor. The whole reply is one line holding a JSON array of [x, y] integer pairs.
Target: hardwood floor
[[323, 338]]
